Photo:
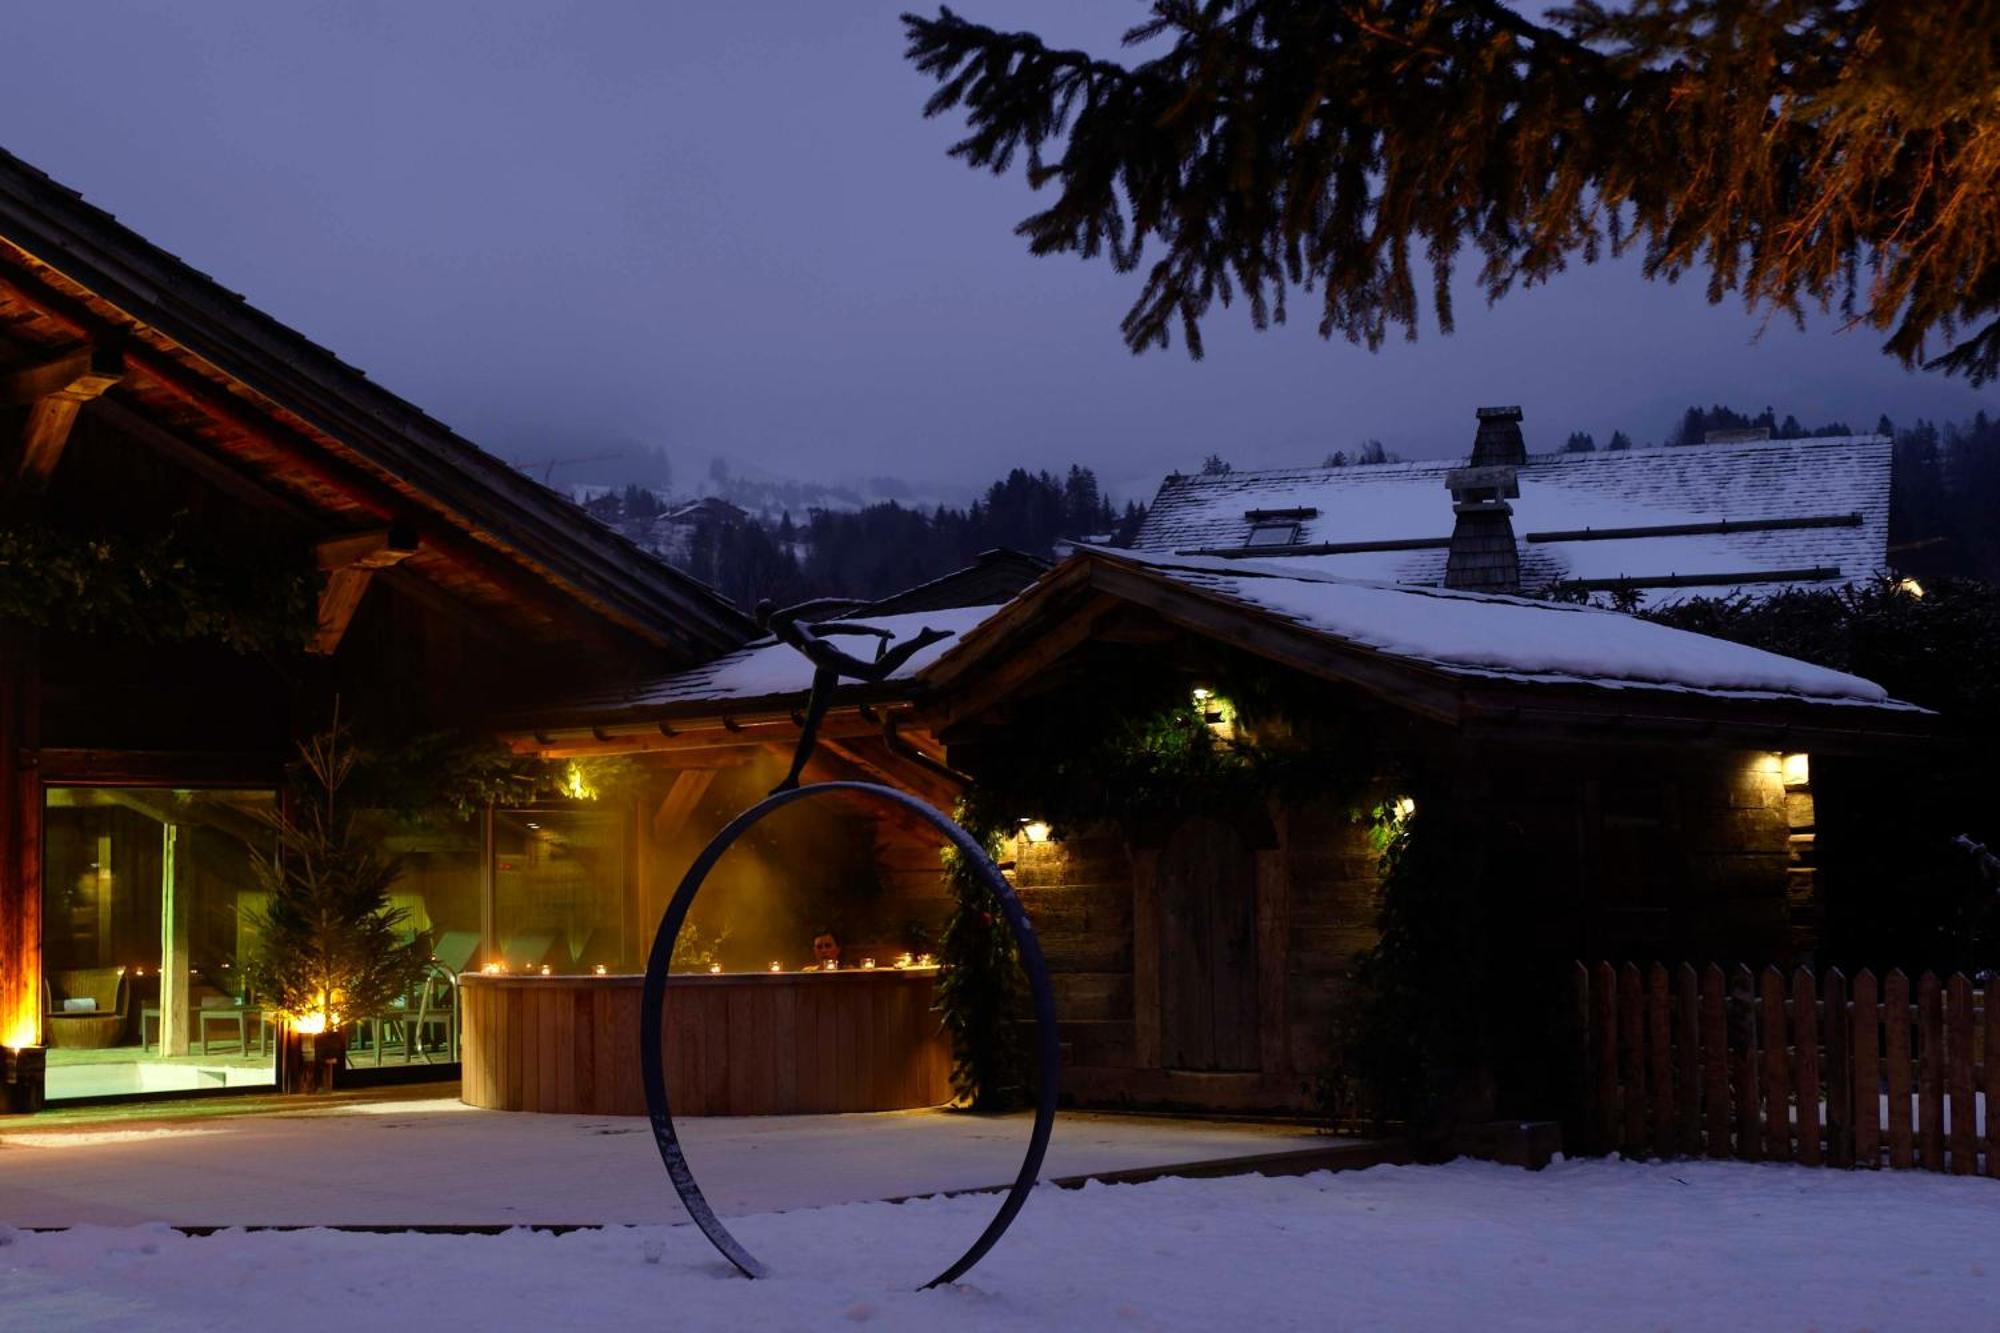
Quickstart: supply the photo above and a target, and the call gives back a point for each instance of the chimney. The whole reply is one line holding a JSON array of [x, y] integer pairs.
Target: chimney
[[1483, 557]]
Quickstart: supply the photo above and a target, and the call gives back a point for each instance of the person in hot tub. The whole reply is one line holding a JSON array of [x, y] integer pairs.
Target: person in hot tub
[[826, 952]]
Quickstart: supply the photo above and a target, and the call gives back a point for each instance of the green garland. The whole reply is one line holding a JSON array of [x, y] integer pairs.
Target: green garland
[[1136, 751], [171, 588]]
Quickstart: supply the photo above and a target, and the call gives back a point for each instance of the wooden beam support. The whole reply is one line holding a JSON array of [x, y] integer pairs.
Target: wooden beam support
[[349, 564], [54, 391]]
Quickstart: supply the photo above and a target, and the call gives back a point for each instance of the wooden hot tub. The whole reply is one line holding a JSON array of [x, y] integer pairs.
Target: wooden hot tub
[[748, 1043]]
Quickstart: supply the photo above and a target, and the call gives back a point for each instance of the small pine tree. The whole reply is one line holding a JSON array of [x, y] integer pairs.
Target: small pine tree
[[1215, 465], [981, 995], [1620, 442], [330, 946], [1580, 442]]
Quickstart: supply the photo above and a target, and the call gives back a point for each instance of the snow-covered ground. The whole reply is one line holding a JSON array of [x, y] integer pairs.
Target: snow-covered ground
[[1600, 1245]]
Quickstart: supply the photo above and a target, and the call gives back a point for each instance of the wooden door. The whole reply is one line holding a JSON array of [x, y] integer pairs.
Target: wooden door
[[1208, 949]]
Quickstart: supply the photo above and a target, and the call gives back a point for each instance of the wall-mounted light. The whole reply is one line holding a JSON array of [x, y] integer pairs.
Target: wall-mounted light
[[1796, 770], [1035, 830], [1910, 587], [1404, 806], [576, 785]]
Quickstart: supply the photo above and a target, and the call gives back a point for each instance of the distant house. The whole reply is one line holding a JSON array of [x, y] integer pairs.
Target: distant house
[[1753, 516]]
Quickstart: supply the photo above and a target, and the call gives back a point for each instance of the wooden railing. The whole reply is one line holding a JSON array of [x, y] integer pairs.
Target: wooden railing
[[1768, 1067]]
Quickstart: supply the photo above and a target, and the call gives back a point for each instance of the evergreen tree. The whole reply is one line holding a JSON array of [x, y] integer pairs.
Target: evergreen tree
[[1215, 465], [1580, 442], [1802, 153], [1618, 442], [329, 946]]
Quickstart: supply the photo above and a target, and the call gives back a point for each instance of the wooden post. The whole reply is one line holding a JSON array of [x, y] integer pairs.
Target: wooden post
[[1604, 1044], [1688, 1084], [1632, 1037], [1805, 1065], [1930, 1072], [1660, 1038], [20, 844], [1583, 1109], [174, 962], [1777, 1070], [1715, 1060], [1866, 1102], [1749, 1120], [1992, 1079], [1896, 1053], [1839, 1069], [1958, 1049], [1274, 935]]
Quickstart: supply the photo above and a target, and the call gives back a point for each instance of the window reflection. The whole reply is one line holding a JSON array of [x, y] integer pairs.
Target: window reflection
[[559, 892]]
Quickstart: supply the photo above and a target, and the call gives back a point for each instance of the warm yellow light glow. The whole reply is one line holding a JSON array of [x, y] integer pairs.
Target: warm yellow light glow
[[904, 960], [1405, 807], [1797, 769], [925, 960], [311, 1025], [576, 786], [1910, 586], [1202, 694], [868, 965], [715, 969], [600, 969], [492, 969], [777, 967], [545, 969], [1035, 830], [20, 1033]]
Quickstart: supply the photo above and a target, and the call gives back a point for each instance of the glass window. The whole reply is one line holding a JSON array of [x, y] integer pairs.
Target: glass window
[[559, 892], [149, 910], [1273, 534]]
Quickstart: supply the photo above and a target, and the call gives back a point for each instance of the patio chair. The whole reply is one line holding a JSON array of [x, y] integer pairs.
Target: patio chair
[[86, 1008]]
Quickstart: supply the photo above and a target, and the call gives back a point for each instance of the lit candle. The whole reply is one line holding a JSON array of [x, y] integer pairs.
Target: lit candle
[[715, 969], [545, 969], [867, 964], [600, 969], [776, 967]]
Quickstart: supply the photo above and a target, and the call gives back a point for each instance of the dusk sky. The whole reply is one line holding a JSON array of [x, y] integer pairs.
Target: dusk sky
[[569, 229]]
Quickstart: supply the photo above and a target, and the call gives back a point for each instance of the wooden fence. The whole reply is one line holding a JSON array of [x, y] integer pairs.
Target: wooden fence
[[1765, 1067]]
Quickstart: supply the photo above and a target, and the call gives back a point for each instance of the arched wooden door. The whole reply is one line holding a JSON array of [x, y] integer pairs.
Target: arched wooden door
[[1208, 949]]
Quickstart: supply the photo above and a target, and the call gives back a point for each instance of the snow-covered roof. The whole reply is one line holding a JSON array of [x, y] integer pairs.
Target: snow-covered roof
[[1831, 495], [767, 669], [1512, 638]]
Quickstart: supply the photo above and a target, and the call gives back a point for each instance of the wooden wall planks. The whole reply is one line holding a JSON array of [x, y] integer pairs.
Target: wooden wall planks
[[735, 1045]]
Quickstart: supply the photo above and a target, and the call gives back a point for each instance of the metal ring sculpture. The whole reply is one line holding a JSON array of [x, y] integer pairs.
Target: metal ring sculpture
[[652, 1065]]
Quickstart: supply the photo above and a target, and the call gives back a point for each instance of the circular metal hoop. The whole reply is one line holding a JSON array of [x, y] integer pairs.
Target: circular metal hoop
[[651, 1022]]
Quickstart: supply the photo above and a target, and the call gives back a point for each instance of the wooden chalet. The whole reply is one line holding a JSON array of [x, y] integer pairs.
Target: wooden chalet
[[1652, 789], [139, 399]]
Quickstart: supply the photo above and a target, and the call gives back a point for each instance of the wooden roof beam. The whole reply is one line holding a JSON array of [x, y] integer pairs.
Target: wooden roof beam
[[54, 391], [349, 564]]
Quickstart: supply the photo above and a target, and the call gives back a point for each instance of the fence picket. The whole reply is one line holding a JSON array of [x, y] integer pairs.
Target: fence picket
[[1964, 1115], [1743, 1024], [1839, 1069], [1660, 1047], [1583, 1091], [1688, 1084], [1715, 1060], [1777, 1069], [1930, 1072], [1866, 1102], [1896, 1054], [1805, 1066], [1632, 1041], [1992, 1079], [1604, 1020]]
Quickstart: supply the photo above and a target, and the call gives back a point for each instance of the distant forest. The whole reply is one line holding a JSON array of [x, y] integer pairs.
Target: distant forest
[[1944, 515], [873, 551]]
